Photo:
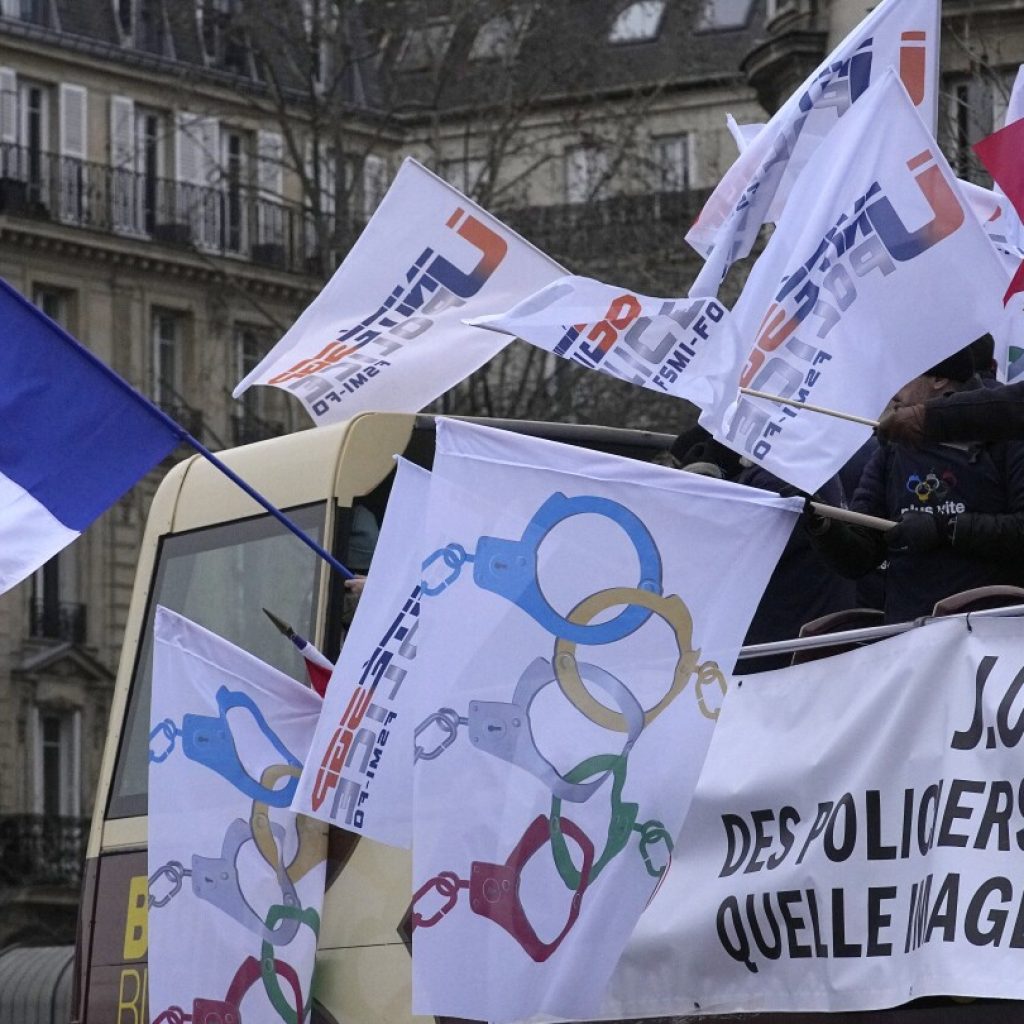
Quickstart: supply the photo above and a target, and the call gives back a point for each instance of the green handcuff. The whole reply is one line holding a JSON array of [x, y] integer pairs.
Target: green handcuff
[[620, 826]]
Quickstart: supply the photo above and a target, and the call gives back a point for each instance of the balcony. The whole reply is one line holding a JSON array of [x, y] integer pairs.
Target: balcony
[[57, 620], [609, 227], [229, 220], [40, 850]]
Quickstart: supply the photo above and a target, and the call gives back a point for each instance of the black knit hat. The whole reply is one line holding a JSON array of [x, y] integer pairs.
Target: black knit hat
[[959, 366]]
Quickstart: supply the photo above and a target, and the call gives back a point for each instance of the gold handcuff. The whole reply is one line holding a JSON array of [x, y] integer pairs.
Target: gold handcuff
[[312, 834], [674, 611]]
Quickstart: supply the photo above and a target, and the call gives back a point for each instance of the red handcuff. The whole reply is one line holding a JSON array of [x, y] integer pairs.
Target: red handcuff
[[227, 1010], [494, 889]]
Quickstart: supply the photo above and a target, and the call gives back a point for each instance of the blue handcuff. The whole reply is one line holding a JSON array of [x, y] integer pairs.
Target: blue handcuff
[[509, 568], [208, 741]]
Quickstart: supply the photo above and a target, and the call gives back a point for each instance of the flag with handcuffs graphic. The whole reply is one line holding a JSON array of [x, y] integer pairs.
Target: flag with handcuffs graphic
[[236, 879], [580, 615]]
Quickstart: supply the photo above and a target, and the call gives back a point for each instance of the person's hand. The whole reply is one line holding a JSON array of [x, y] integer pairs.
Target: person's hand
[[917, 532], [903, 424], [355, 585]]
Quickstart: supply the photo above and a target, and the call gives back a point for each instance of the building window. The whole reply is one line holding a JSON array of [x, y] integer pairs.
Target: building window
[[57, 756], [720, 15], [638, 22], [425, 46], [465, 174], [168, 341], [124, 12], [773, 8], [375, 182], [499, 37], [55, 613], [254, 421], [235, 165], [586, 174], [35, 11], [56, 303], [672, 166], [34, 101]]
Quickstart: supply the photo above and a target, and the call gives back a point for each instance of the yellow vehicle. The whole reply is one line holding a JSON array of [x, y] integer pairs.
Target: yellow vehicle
[[212, 554]]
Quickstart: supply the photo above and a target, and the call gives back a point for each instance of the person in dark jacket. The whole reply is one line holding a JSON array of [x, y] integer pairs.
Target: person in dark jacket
[[959, 510], [803, 585], [993, 414]]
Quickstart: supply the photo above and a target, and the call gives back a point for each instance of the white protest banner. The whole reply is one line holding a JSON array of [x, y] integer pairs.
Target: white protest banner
[[742, 134], [358, 774], [861, 288], [386, 333], [855, 838], [651, 342], [903, 34], [236, 880], [582, 610]]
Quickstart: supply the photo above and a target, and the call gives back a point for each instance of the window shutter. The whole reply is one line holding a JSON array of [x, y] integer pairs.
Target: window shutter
[[122, 133], [74, 180], [269, 164], [188, 154], [8, 106], [125, 198], [73, 109]]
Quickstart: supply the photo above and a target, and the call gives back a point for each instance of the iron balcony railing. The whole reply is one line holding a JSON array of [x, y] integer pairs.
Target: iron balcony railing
[[57, 620], [228, 219], [233, 219], [37, 849], [247, 428]]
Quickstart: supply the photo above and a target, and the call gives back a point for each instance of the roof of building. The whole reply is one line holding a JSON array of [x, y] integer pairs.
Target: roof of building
[[434, 58], [405, 56]]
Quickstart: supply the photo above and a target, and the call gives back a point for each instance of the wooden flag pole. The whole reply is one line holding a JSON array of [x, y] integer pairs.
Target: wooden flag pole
[[813, 408]]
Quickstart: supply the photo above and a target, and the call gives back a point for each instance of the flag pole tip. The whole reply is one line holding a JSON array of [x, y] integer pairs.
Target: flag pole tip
[[280, 623]]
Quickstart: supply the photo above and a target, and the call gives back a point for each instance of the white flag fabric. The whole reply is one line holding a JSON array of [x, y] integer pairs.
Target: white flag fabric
[[1015, 107], [656, 343], [756, 188], [853, 842], [581, 611], [358, 774], [743, 134], [861, 288], [386, 333], [236, 879], [1003, 226]]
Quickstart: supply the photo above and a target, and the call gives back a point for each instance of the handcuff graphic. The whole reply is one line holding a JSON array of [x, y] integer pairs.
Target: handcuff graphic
[[208, 740], [509, 568], [216, 880], [228, 1010], [503, 729], [494, 889]]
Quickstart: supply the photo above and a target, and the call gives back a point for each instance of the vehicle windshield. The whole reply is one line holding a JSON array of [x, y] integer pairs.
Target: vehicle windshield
[[221, 577]]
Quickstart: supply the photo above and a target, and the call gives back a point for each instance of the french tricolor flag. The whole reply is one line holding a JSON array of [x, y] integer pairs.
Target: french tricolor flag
[[73, 437]]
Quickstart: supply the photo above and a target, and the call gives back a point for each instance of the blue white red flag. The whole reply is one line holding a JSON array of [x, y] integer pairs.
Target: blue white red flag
[[73, 438]]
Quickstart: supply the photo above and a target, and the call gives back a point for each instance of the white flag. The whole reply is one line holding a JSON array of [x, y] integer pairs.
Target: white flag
[[386, 333], [742, 134], [756, 188], [854, 840], [582, 611], [236, 879], [358, 774], [862, 287], [1015, 107], [1003, 226], [656, 343]]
